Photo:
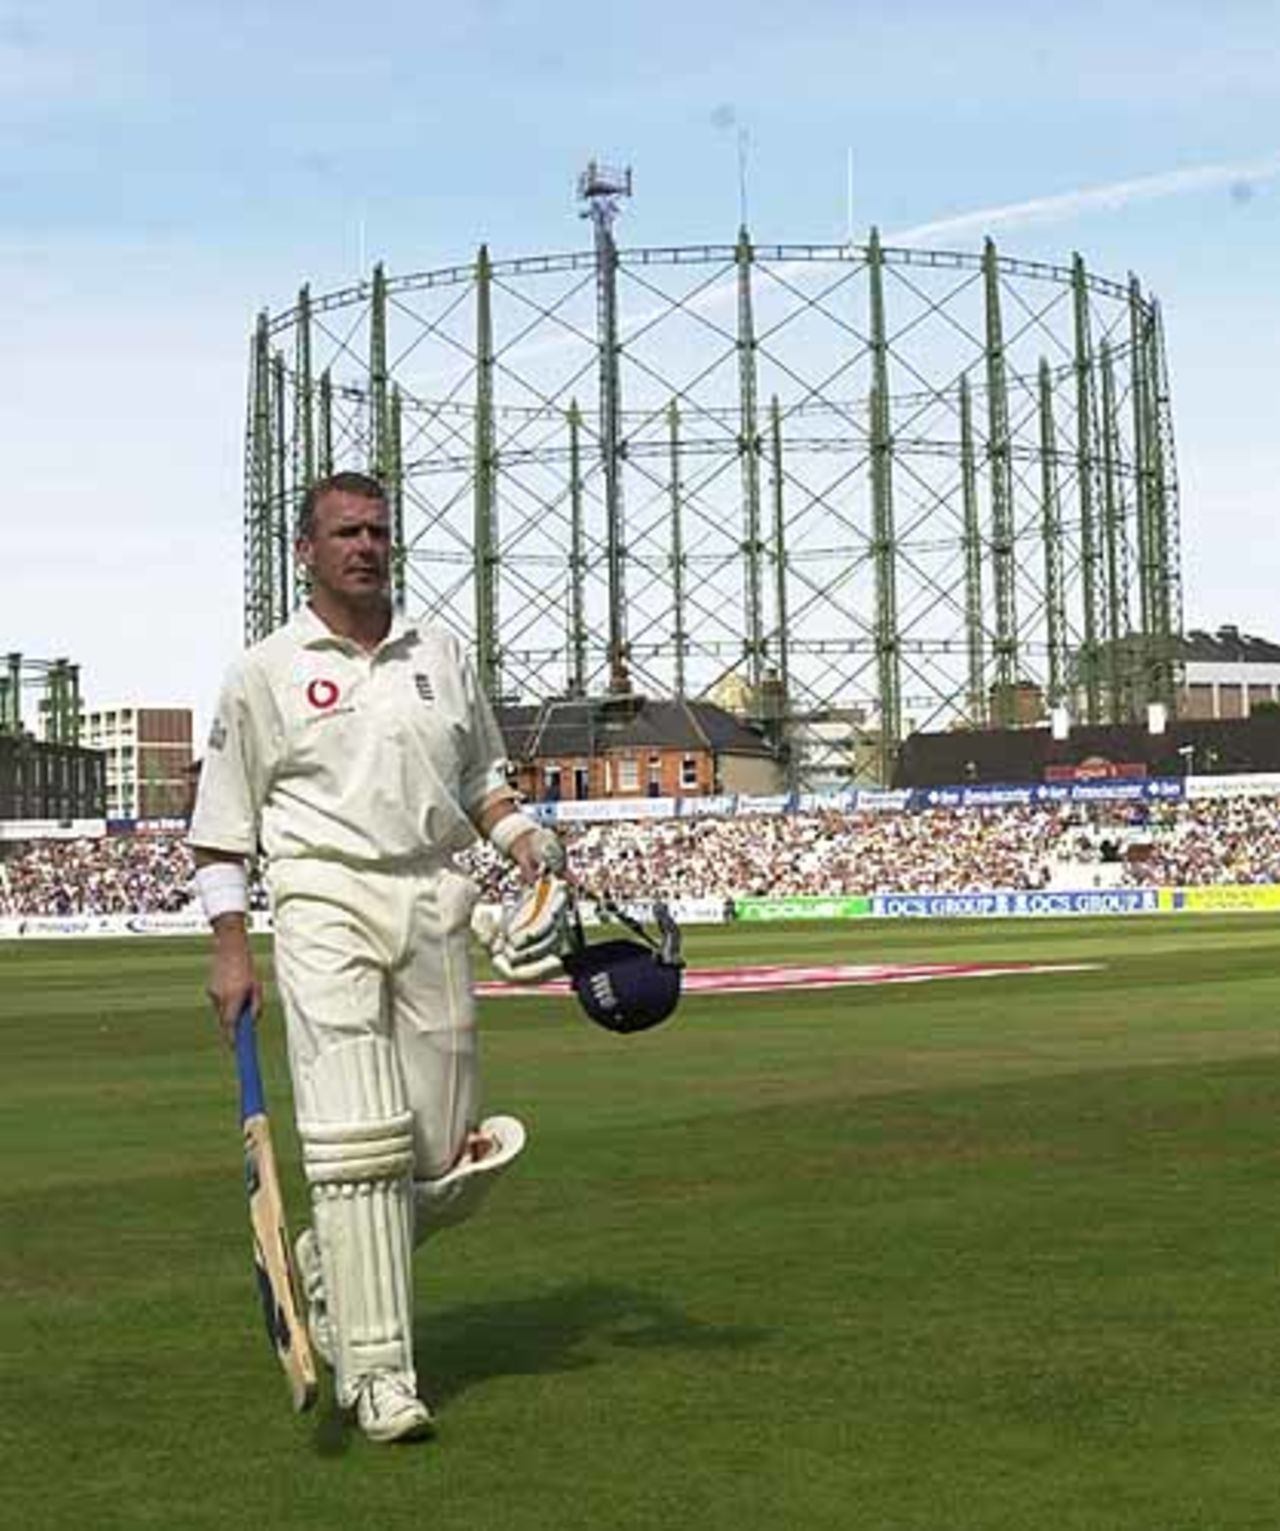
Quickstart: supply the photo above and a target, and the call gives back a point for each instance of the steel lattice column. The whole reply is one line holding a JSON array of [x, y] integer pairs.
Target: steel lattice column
[[973, 616], [1167, 527], [485, 542], [1119, 638], [749, 445], [1051, 537], [394, 483], [884, 548], [304, 448], [780, 551], [612, 450], [577, 559], [1147, 491], [280, 494], [1085, 472], [1000, 462], [259, 591], [324, 431], [680, 635]]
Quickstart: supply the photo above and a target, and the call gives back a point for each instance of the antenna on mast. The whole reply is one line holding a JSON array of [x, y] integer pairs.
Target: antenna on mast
[[602, 189]]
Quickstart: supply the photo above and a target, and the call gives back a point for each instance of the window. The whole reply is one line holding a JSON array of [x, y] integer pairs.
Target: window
[[551, 783], [628, 773], [689, 771]]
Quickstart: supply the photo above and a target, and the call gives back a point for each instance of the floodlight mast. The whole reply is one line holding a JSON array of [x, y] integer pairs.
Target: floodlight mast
[[602, 189]]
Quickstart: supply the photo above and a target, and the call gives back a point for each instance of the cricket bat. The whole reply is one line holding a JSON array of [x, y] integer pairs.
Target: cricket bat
[[272, 1255]]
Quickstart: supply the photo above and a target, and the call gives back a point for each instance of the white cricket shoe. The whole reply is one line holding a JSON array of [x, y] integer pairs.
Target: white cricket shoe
[[306, 1254], [388, 1409]]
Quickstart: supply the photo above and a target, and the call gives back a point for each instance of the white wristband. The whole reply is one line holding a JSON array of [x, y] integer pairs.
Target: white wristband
[[222, 888], [508, 830]]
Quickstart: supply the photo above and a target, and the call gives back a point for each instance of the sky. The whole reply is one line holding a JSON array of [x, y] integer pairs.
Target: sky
[[168, 169]]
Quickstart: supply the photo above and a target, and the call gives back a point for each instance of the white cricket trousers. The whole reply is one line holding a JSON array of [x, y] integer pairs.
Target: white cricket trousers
[[384, 954]]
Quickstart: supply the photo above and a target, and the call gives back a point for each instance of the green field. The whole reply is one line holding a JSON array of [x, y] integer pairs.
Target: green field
[[983, 1255]]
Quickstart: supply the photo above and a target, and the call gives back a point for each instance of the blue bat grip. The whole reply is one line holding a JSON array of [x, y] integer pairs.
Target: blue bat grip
[[252, 1101]]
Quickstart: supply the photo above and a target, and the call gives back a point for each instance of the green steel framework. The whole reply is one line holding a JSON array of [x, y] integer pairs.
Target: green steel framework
[[918, 485], [59, 683]]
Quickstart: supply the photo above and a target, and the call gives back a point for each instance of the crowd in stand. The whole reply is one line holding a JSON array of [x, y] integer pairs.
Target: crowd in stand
[[119, 874], [935, 851]]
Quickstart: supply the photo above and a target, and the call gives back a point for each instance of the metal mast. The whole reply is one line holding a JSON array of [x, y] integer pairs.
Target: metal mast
[[577, 559], [1119, 639], [679, 635], [999, 455], [1168, 518], [1085, 468], [394, 482], [304, 446], [780, 552], [974, 631], [11, 696], [304, 437], [602, 190], [485, 536], [749, 445], [259, 583], [325, 424], [1146, 489], [1051, 534], [279, 494], [884, 549], [379, 447]]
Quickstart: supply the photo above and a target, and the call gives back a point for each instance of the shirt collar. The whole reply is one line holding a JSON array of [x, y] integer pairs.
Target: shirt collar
[[313, 633]]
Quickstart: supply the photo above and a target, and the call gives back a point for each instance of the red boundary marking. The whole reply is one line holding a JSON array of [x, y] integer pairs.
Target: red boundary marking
[[768, 979]]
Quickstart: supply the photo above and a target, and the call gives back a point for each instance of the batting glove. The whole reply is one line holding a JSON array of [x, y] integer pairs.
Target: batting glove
[[526, 940]]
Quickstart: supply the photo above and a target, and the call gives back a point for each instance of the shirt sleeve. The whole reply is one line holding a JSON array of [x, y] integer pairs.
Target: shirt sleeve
[[484, 771], [236, 769]]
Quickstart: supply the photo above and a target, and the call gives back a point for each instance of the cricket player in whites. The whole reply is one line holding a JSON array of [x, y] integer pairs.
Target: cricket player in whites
[[359, 753]]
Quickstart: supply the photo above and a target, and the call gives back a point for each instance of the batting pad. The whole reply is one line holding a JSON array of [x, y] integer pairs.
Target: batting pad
[[357, 1147], [455, 1196]]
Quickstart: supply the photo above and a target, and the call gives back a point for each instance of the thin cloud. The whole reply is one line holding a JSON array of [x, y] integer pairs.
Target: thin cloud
[[1110, 198]]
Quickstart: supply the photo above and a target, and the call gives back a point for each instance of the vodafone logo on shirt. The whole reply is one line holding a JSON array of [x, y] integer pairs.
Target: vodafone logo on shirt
[[322, 694]]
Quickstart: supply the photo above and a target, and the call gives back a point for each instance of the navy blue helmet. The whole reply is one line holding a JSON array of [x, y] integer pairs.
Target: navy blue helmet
[[626, 985]]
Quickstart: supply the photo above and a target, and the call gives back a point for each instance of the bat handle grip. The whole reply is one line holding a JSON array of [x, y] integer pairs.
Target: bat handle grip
[[252, 1101]]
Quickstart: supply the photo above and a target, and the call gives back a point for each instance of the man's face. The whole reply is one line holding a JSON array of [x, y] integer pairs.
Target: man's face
[[348, 554]]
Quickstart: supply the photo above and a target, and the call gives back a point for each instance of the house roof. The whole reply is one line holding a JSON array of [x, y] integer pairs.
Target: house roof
[[591, 725], [1228, 644]]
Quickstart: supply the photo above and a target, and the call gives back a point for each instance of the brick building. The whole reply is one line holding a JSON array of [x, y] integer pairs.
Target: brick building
[[573, 748], [148, 759]]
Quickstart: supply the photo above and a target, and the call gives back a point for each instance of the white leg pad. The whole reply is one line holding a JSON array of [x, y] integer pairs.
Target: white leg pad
[[357, 1145], [457, 1194]]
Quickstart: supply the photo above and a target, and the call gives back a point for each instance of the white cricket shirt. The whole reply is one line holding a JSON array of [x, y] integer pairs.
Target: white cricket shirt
[[321, 750]]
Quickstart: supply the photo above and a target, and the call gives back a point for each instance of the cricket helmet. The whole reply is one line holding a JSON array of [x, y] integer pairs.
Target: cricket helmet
[[626, 985]]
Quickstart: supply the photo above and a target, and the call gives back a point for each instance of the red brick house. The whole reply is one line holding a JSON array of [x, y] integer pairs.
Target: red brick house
[[571, 748]]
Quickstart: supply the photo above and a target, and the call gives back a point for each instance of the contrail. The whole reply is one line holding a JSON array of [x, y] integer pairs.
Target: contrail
[[1070, 204]]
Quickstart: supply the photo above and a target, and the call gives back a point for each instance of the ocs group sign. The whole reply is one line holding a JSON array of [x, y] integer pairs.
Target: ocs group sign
[[1015, 903]]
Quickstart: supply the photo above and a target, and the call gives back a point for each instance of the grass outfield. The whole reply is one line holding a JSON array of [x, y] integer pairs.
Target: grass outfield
[[979, 1255]]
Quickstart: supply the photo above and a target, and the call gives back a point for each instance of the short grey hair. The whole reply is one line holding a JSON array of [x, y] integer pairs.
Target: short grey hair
[[347, 482]]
